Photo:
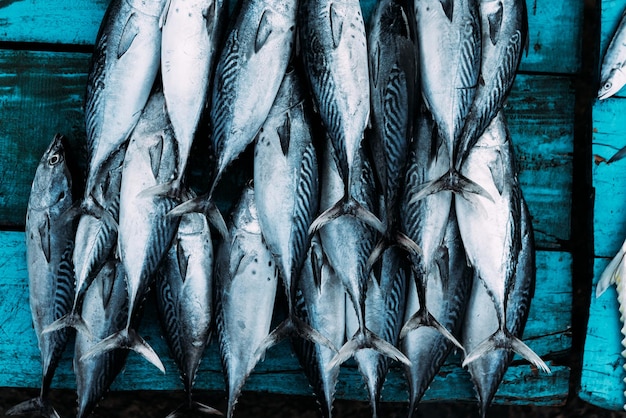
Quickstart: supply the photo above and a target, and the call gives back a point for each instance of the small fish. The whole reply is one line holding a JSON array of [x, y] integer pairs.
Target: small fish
[[192, 35], [49, 242], [481, 319], [491, 233], [184, 295], [612, 72], [105, 310], [246, 280], [334, 50]]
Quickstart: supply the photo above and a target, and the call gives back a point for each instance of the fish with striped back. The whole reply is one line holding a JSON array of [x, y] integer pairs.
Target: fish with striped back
[[49, 242]]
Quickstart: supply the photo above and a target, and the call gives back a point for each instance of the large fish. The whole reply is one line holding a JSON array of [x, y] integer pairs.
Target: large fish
[[145, 231], [321, 302], [504, 36], [481, 319], [491, 232], [334, 50], [612, 71], [105, 310], [192, 34], [123, 68], [347, 243], [393, 73], [184, 294], [256, 53], [49, 241], [246, 281]]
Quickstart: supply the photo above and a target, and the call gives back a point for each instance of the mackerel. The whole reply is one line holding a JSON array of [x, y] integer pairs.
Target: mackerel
[[612, 71], [49, 242]]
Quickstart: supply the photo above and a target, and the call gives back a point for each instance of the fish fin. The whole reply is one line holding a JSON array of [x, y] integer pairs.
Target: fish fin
[[126, 339], [503, 340], [182, 259], [44, 237], [203, 204], [71, 320], [497, 170], [90, 206], [156, 153], [343, 207], [398, 239], [210, 17], [317, 262], [375, 64], [336, 25], [164, 14], [263, 31], [186, 408], [34, 406], [612, 272], [617, 156], [284, 134], [495, 22], [448, 8], [452, 181], [130, 31], [423, 318]]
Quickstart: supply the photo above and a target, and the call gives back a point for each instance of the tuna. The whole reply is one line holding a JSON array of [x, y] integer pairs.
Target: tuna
[[612, 71]]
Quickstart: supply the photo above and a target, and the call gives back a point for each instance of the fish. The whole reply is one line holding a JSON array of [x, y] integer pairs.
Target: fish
[[504, 37], [491, 231], [122, 71], [246, 283], [184, 296], [49, 243], [394, 88], [105, 310], [612, 75], [334, 53], [192, 36], [145, 232], [347, 243], [321, 303], [449, 39], [256, 53], [481, 319]]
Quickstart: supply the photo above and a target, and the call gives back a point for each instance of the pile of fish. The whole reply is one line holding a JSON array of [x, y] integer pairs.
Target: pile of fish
[[384, 196]]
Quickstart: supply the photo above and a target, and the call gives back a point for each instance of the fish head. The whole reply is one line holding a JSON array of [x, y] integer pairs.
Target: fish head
[[52, 180], [612, 83]]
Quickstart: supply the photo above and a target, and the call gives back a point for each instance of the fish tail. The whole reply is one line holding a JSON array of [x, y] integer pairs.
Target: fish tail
[[170, 189], [34, 406], [190, 408], [423, 318], [127, 339], [503, 340], [454, 182], [203, 204], [613, 272], [71, 320], [347, 205], [398, 239]]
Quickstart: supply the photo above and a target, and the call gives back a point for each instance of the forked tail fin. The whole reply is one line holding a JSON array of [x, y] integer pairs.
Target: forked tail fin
[[38, 406]]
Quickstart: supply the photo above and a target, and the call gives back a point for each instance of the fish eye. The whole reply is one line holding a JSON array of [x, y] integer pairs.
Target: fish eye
[[608, 85], [54, 159]]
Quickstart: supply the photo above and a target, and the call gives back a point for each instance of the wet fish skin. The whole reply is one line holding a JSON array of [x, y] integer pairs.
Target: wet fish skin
[[246, 283], [184, 295], [612, 72], [123, 69], [49, 242]]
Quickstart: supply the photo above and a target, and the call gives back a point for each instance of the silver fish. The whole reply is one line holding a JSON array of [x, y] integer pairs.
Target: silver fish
[[504, 36], [321, 302], [184, 294], [334, 50], [491, 232], [49, 241], [246, 280], [481, 319], [145, 231], [612, 71], [192, 34], [123, 69], [347, 243], [105, 310]]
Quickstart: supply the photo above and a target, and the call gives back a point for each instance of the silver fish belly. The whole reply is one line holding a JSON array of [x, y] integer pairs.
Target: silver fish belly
[[612, 71]]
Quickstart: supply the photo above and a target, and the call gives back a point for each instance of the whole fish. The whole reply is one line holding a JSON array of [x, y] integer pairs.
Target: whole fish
[[449, 39], [145, 231], [385, 304], [481, 319], [123, 68], [286, 193], [49, 241], [612, 71], [184, 295], [256, 53], [347, 243], [192, 34], [393, 73], [246, 280], [320, 302], [491, 233], [504, 36], [105, 310], [334, 50]]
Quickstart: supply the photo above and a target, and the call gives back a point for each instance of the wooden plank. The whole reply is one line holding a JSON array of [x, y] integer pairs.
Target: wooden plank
[[41, 93], [547, 333], [554, 28]]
